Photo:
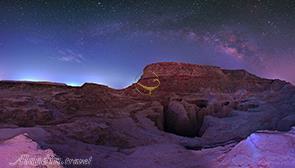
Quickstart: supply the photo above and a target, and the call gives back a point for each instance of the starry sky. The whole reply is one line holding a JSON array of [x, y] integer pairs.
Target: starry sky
[[110, 41]]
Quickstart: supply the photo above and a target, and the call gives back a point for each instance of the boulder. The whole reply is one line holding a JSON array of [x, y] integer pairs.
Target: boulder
[[180, 120]]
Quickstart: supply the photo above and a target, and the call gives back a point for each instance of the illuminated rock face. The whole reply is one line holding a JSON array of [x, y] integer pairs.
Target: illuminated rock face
[[263, 149], [267, 149], [21, 151]]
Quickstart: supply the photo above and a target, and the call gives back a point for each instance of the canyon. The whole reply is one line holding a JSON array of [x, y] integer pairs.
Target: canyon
[[199, 116]]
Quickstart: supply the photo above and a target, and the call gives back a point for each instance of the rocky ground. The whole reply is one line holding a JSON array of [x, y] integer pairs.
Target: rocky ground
[[199, 116]]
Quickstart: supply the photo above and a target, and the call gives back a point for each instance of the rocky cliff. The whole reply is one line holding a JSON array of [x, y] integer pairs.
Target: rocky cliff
[[191, 107], [191, 78]]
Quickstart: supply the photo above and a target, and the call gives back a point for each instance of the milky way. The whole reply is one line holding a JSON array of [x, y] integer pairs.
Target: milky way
[[110, 41]]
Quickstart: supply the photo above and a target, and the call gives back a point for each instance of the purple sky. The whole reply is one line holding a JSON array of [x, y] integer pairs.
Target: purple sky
[[110, 42]]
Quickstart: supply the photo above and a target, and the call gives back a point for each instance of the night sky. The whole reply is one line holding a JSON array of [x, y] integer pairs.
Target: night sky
[[110, 41]]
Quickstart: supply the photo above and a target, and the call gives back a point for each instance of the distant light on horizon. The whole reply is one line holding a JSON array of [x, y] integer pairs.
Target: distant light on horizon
[[74, 84], [86, 43], [33, 80], [115, 83]]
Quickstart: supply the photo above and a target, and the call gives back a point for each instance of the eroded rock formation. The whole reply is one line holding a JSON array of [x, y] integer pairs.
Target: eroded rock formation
[[195, 107]]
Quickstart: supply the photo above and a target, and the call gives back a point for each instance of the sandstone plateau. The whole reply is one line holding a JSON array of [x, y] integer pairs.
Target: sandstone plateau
[[199, 116]]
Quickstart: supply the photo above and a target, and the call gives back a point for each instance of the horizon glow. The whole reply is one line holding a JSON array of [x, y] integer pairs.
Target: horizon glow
[[110, 42]]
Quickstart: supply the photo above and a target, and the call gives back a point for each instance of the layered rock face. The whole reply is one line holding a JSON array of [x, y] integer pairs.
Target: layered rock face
[[192, 107], [190, 78]]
